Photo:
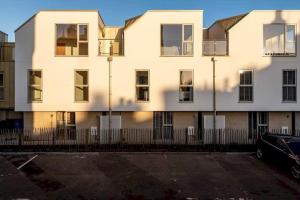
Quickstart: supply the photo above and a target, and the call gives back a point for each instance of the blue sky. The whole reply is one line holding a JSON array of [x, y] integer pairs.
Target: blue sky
[[14, 12]]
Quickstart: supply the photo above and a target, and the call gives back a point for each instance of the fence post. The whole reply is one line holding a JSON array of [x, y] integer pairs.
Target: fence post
[[86, 137], [186, 137], [20, 138], [53, 137], [121, 136]]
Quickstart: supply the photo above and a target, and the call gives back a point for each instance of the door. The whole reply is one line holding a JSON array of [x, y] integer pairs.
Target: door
[[163, 125]]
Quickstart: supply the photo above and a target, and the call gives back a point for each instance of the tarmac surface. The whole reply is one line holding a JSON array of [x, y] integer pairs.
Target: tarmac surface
[[141, 176]]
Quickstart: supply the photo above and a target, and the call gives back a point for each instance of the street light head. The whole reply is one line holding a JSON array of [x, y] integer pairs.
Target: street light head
[[109, 58]]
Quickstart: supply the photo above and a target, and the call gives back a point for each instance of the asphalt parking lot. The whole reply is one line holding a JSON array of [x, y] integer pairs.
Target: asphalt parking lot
[[143, 176]]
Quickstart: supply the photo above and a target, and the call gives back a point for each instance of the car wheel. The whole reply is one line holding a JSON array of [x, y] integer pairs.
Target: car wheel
[[259, 153], [295, 170]]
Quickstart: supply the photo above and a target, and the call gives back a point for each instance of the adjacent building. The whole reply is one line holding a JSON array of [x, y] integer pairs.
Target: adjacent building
[[161, 71], [8, 117]]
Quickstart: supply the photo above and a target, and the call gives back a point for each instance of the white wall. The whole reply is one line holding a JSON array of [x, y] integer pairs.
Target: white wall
[[36, 50], [142, 51]]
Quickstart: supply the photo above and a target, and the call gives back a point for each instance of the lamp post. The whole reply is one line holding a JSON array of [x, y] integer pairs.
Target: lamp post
[[110, 59], [214, 95]]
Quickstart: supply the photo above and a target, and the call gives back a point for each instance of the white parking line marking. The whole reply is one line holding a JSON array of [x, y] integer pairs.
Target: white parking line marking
[[28, 161]]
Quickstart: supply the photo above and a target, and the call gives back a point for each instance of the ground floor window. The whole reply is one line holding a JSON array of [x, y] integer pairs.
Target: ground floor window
[[66, 125], [163, 125], [258, 122]]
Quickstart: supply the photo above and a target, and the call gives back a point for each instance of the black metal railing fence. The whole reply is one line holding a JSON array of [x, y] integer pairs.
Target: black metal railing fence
[[130, 139]]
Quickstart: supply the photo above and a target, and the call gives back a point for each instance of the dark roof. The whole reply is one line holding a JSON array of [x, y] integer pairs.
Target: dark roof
[[130, 21], [229, 22], [3, 33]]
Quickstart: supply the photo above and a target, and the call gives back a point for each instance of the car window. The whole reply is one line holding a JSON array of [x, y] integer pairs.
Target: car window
[[281, 145], [270, 139], [295, 147]]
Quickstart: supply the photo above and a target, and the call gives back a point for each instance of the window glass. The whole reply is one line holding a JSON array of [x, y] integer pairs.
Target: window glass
[[142, 85], [67, 41], [186, 77], [171, 39], [142, 77], [279, 39], [83, 49], [246, 87], [289, 86], [176, 40], [81, 86], [83, 32], [295, 147], [245, 77], [186, 89], [1, 79], [188, 32], [290, 33], [35, 86]]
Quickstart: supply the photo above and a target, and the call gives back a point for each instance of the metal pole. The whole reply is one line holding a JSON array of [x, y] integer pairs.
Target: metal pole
[[109, 59], [214, 95]]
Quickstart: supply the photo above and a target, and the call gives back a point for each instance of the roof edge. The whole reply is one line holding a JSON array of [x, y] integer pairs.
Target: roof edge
[[242, 16], [28, 20], [4, 33], [33, 16]]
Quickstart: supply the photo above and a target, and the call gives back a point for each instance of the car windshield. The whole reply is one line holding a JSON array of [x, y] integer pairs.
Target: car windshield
[[295, 147]]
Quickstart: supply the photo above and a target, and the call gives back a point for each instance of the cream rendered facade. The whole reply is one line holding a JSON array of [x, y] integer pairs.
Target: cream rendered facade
[[35, 50]]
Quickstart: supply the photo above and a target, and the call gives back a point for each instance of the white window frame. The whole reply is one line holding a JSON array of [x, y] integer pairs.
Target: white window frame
[[30, 86], [246, 85], [83, 85], [183, 41], [78, 39], [142, 85], [289, 85], [183, 85], [285, 53]]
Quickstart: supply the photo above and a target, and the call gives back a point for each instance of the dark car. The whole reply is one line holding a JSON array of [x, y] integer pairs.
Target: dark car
[[282, 148]]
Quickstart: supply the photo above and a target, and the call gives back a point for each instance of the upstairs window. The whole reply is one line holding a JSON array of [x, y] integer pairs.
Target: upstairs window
[[72, 40], [1, 86], [81, 85], [289, 86], [279, 40], [246, 85], [35, 91], [186, 89], [142, 85], [177, 40]]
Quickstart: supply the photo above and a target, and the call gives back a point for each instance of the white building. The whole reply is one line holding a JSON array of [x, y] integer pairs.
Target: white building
[[162, 73]]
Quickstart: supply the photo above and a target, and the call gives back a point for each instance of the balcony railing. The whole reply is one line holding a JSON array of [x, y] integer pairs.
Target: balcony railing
[[111, 47], [285, 49], [215, 48], [7, 52]]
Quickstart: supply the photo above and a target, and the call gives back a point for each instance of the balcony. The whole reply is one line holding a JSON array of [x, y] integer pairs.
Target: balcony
[[111, 47], [215, 48], [280, 49], [7, 52]]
